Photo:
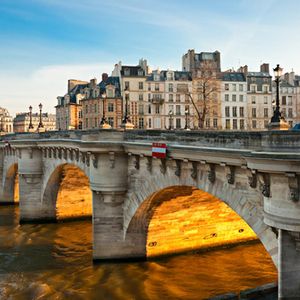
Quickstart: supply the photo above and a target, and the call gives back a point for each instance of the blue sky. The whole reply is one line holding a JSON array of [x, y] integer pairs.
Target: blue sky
[[46, 42]]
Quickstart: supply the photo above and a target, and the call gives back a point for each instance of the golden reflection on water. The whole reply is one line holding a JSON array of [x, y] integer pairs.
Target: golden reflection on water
[[54, 261]]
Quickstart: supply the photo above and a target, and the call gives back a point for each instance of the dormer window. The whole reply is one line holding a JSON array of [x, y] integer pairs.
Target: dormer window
[[156, 77], [127, 72], [140, 72], [110, 92]]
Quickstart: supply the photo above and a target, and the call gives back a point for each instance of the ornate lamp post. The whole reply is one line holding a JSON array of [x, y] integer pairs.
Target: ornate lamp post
[[41, 122], [186, 119], [277, 121], [170, 119], [30, 127], [126, 123], [103, 123]]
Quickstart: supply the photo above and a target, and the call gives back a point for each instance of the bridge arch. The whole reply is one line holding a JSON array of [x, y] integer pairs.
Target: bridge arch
[[67, 193], [11, 184], [142, 202]]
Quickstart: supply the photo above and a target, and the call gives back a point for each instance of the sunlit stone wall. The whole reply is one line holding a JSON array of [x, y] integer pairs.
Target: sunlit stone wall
[[74, 198], [193, 221]]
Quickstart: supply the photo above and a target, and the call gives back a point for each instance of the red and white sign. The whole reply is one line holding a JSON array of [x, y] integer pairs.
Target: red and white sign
[[159, 150]]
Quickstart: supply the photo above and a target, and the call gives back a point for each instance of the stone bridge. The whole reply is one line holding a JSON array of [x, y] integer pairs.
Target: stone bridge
[[254, 173]]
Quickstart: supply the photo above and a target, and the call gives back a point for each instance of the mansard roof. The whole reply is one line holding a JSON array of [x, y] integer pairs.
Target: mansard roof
[[133, 71], [178, 76], [232, 76], [111, 80], [258, 74]]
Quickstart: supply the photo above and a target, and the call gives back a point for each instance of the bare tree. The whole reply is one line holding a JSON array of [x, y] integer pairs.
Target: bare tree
[[205, 92]]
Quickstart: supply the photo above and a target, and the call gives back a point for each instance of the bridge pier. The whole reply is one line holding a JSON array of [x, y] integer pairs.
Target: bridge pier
[[289, 265]]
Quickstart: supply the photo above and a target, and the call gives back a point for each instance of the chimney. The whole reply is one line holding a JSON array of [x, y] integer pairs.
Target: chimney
[[93, 82], [243, 69], [265, 68], [104, 77]]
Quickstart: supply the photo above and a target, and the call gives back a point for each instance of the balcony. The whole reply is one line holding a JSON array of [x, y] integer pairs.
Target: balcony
[[157, 100]]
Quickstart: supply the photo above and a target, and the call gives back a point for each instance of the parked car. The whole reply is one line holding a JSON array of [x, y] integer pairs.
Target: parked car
[[296, 127]]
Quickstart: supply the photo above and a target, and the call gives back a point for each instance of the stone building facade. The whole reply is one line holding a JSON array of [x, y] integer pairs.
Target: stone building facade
[[104, 97], [234, 101], [68, 108], [6, 121], [22, 120]]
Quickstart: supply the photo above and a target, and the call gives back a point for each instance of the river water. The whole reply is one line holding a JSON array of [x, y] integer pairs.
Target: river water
[[54, 261]]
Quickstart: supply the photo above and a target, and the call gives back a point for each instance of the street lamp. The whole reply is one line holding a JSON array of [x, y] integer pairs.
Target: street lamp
[[103, 123], [126, 123], [30, 127], [41, 122], [170, 119], [186, 119], [277, 121]]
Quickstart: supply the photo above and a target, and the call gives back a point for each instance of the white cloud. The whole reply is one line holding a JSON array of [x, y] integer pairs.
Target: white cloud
[[44, 85]]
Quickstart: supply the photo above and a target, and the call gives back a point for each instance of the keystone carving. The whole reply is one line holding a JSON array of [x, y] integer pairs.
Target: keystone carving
[[112, 159], [88, 155], [264, 180], [178, 168], [149, 163], [211, 172], [229, 171], [194, 170], [293, 182], [163, 166], [296, 236], [94, 158], [252, 178]]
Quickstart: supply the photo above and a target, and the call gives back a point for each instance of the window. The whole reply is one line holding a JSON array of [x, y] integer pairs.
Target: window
[[253, 100], [140, 72], [126, 85], [141, 85], [157, 86], [253, 88], [95, 108], [283, 112], [86, 123], [290, 113], [157, 109], [242, 124], [265, 100], [141, 109], [234, 98], [170, 87], [266, 123], [215, 123], [253, 112], [234, 123], [141, 97], [265, 112], [177, 98], [241, 112], [96, 122], [241, 98], [265, 89], [178, 110], [234, 87], [178, 123], [110, 121], [226, 97], [110, 93], [141, 123], [150, 123], [234, 114], [226, 87], [289, 102], [110, 107], [149, 97], [149, 109], [149, 86], [171, 98], [253, 124], [227, 111], [207, 123], [283, 100], [227, 123], [86, 109], [241, 88], [126, 72]]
